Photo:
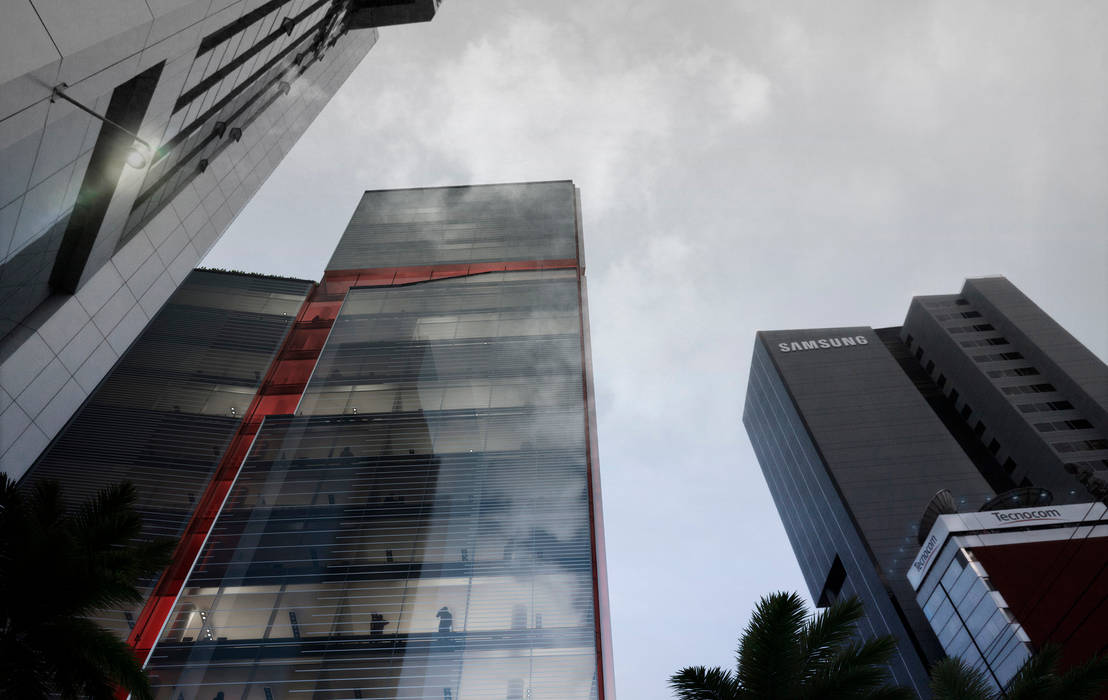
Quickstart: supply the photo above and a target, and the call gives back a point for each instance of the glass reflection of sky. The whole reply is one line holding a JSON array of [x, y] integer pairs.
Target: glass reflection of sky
[[420, 529]]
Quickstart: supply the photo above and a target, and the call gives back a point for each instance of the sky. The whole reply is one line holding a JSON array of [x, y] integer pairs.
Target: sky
[[743, 166]]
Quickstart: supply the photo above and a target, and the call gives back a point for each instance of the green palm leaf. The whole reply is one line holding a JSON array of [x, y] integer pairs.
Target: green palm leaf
[[58, 566], [786, 654], [952, 679], [702, 683], [769, 659]]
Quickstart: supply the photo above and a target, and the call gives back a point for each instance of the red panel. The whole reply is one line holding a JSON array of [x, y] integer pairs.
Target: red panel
[[604, 658], [310, 339], [449, 271], [376, 278], [279, 404], [292, 371], [412, 274], [478, 268], [322, 311], [1057, 590], [335, 280], [336, 284]]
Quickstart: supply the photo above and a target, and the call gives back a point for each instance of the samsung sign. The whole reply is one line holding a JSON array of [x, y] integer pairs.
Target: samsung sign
[[823, 343]]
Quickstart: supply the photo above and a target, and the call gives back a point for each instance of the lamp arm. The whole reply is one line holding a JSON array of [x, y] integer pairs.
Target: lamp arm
[[58, 93]]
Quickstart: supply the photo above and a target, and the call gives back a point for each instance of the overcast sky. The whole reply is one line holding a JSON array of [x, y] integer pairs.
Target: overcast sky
[[743, 166]]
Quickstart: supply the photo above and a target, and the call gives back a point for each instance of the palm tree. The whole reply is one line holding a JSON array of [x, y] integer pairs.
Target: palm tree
[[1037, 679], [58, 566], [787, 654]]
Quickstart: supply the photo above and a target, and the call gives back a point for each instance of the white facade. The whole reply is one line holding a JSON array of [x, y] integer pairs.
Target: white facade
[[56, 347]]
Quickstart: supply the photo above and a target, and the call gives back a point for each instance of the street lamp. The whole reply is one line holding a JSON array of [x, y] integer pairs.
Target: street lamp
[[139, 152]]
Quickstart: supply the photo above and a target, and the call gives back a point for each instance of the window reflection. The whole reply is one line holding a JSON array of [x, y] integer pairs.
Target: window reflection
[[432, 544]]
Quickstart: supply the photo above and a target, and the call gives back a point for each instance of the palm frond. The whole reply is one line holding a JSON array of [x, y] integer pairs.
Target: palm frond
[[827, 630], [702, 683], [769, 661], [1036, 679], [891, 692], [1086, 681], [854, 671], [58, 566], [100, 661], [952, 679]]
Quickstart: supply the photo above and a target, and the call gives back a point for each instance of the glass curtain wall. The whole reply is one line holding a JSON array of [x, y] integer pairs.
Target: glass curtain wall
[[163, 417], [421, 527]]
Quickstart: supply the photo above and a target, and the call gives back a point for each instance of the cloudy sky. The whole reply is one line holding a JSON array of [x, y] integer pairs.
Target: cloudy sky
[[743, 166]]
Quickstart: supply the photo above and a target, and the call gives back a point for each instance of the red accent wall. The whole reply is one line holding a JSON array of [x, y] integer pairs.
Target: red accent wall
[[1057, 590]]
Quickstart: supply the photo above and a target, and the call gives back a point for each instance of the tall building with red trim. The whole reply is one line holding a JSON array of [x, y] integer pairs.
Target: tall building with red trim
[[384, 484]]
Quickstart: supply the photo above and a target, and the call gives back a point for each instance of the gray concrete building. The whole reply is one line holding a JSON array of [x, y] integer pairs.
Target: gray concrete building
[[857, 430], [131, 135]]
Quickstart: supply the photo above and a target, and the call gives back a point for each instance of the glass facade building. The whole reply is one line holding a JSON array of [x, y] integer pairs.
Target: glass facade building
[[167, 411], [852, 453], [410, 506]]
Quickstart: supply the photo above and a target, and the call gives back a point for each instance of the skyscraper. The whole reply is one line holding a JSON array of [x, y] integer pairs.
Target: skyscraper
[[131, 135], [858, 429], [408, 505]]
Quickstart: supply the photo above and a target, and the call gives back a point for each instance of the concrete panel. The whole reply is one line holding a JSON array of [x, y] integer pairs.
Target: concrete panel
[[145, 276], [42, 206], [64, 319], [78, 350], [159, 292], [161, 226], [62, 141], [76, 25], [15, 176], [180, 268], [132, 255], [78, 177], [192, 225], [113, 312], [24, 364], [53, 418], [96, 367], [42, 390], [206, 238], [8, 216], [99, 288], [23, 453], [13, 422], [174, 17], [128, 329], [25, 44]]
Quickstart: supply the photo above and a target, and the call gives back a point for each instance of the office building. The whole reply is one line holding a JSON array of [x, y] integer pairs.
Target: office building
[[998, 585], [386, 485], [132, 134], [858, 429]]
